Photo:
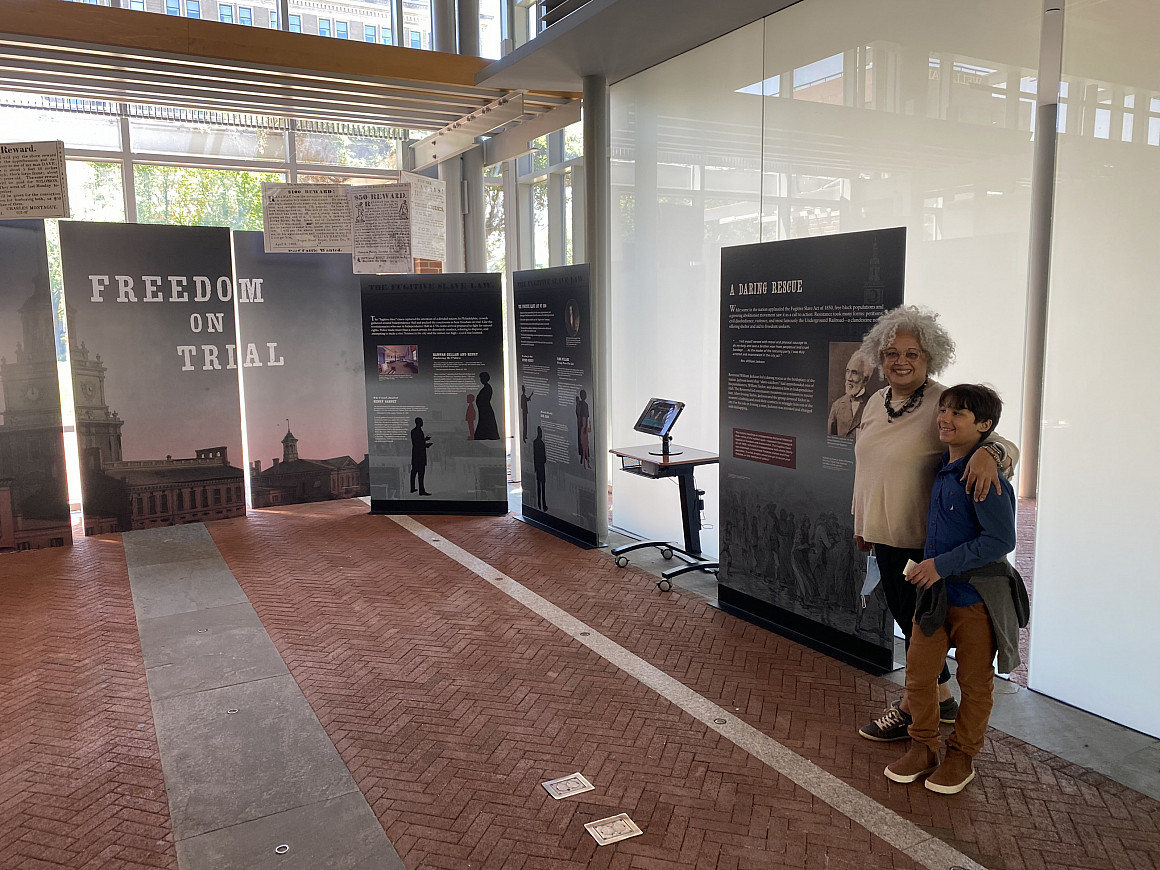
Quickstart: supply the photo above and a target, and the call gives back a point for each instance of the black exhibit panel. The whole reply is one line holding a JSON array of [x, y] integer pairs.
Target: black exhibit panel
[[433, 366], [793, 314]]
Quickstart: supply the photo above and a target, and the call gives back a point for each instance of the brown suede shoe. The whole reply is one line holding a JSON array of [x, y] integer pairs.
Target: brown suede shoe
[[918, 761], [952, 776]]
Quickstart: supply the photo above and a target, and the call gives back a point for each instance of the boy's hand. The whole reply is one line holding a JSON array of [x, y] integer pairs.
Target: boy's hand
[[924, 574], [981, 474], [861, 544]]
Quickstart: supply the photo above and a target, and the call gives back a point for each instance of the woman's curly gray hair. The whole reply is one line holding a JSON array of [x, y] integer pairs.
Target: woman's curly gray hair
[[922, 322]]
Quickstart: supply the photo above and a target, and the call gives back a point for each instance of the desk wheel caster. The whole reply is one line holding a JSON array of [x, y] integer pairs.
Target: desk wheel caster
[[622, 561], [664, 585], [666, 553]]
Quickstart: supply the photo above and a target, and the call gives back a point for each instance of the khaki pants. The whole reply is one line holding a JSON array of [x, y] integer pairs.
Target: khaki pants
[[968, 630]]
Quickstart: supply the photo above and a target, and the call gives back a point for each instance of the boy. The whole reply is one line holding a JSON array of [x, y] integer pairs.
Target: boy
[[969, 598]]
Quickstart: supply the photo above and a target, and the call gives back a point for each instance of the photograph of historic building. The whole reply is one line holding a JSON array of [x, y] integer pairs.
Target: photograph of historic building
[[291, 480], [33, 487]]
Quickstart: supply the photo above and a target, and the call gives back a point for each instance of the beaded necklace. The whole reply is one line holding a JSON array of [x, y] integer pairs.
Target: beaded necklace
[[912, 402]]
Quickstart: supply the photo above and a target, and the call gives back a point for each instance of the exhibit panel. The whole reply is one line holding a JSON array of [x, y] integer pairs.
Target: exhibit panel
[[554, 391], [1096, 599], [793, 389], [34, 509], [433, 375], [155, 362], [306, 418]]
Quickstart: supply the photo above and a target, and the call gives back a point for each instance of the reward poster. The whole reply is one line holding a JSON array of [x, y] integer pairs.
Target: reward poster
[[554, 384], [34, 509], [155, 367], [304, 417], [433, 363], [793, 313]]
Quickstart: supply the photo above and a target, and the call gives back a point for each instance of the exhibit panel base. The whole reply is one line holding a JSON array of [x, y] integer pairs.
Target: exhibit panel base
[[562, 529], [442, 507], [854, 651]]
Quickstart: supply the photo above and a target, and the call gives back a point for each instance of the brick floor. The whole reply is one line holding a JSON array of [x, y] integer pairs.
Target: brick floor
[[80, 777], [450, 703]]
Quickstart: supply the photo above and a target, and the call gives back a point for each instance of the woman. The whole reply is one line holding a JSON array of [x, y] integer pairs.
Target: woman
[[486, 428], [897, 454]]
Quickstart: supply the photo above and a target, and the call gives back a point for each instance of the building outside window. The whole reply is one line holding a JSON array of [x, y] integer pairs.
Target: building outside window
[[415, 39], [387, 37], [245, 16], [274, 19], [370, 33], [137, 5], [324, 27], [226, 13], [193, 8], [340, 29], [295, 23]]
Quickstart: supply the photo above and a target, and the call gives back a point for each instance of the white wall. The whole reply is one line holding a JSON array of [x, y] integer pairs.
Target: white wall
[[1096, 604], [712, 150]]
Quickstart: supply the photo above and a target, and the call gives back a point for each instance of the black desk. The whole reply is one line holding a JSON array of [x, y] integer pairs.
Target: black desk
[[681, 462]]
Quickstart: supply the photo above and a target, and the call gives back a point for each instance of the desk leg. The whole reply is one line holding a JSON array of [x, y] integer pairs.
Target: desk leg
[[690, 514]]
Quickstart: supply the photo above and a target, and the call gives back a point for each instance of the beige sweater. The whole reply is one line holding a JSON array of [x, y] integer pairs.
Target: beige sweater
[[895, 465]]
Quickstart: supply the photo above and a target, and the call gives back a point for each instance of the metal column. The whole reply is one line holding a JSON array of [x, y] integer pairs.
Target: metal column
[[598, 244], [1039, 245]]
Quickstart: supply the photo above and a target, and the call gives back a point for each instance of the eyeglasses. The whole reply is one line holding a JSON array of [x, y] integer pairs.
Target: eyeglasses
[[910, 356]]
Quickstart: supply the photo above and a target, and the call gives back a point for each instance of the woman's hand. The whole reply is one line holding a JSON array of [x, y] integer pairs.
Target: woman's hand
[[981, 474], [861, 544], [924, 575]]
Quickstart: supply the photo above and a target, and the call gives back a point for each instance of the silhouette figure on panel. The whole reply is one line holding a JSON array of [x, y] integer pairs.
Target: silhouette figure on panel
[[470, 417], [525, 398], [583, 429], [486, 429], [419, 445], [540, 461]]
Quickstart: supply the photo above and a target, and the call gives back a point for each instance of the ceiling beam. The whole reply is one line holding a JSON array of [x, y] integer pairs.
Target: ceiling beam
[[130, 31]]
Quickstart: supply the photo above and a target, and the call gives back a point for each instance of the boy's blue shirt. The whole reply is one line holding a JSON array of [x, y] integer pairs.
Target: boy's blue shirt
[[962, 533]]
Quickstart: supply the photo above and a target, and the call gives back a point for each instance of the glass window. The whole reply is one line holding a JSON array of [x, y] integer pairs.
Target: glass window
[[415, 39], [95, 191], [295, 23], [193, 8], [340, 29], [539, 203], [494, 227], [574, 141], [245, 16], [226, 13], [490, 29], [37, 120], [181, 499], [274, 19], [370, 33], [206, 140], [137, 5], [387, 38], [188, 196], [172, 7], [324, 27], [340, 150]]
